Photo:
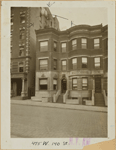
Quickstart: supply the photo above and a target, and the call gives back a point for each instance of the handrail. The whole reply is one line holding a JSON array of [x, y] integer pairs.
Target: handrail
[[105, 97], [93, 101], [65, 96], [55, 96]]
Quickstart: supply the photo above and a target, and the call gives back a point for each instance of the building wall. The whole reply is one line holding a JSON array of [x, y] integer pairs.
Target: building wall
[[34, 20], [77, 32]]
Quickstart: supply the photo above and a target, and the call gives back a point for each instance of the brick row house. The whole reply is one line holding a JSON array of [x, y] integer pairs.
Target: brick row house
[[71, 65], [24, 22]]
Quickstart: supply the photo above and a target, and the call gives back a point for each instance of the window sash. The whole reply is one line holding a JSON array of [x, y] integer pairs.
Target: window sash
[[84, 41], [43, 64], [74, 83], [55, 81], [74, 61], [45, 43], [84, 83], [74, 42], [63, 45]]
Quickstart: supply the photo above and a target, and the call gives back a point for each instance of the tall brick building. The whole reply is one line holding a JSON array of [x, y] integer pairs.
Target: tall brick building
[[71, 65], [24, 22]]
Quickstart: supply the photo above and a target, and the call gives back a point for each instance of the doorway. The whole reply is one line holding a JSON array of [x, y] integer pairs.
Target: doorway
[[63, 85], [16, 86], [97, 84]]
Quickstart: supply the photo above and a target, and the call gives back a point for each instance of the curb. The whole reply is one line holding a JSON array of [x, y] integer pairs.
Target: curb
[[61, 106]]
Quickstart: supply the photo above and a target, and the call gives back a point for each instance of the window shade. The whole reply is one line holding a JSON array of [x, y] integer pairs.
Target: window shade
[[43, 81], [54, 81], [74, 81], [43, 62], [74, 60], [44, 43], [96, 41]]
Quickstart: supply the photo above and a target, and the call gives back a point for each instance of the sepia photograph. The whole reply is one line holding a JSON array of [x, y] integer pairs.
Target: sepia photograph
[[59, 72]]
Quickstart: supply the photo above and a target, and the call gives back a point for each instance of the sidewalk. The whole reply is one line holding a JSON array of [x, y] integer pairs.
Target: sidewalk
[[57, 105]]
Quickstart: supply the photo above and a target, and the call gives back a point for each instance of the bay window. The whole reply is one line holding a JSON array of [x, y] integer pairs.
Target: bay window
[[74, 44], [74, 63], [83, 43]]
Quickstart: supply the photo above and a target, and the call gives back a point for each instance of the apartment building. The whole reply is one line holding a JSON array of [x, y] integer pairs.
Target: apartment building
[[71, 65], [24, 22]]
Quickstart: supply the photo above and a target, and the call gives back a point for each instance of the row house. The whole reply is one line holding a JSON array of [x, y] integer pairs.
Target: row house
[[71, 65]]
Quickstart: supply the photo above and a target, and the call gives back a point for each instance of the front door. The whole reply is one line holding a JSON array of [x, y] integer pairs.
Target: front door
[[19, 87], [97, 84], [64, 85]]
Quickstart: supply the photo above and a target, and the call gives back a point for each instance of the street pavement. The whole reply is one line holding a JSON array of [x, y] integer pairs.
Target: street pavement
[[46, 122]]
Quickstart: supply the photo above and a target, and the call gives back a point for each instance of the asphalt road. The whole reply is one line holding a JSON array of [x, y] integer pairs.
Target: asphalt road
[[44, 122]]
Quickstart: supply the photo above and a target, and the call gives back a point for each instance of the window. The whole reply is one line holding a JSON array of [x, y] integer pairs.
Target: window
[[84, 62], [44, 46], [97, 62], [63, 46], [21, 49], [55, 84], [74, 84], [55, 64], [74, 44], [84, 43], [21, 67], [43, 64], [84, 83], [96, 43], [22, 35], [43, 84], [74, 63], [11, 20], [22, 17], [63, 64], [55, 46]]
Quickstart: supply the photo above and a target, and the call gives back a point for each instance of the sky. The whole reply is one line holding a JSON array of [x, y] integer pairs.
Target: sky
[[89, 16]]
